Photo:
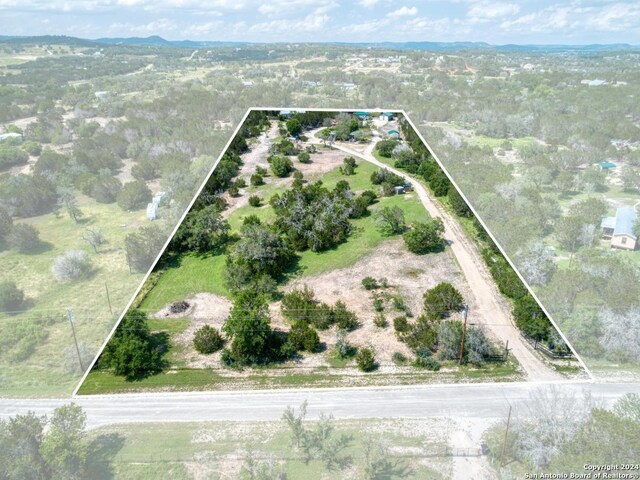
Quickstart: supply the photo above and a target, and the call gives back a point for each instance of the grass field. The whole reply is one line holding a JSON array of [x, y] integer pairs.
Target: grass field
[[184, 379], [201, 450], [43, 373]]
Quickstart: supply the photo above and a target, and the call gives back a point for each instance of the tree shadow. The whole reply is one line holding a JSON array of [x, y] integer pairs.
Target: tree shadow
[[101, 452], [41, 247]]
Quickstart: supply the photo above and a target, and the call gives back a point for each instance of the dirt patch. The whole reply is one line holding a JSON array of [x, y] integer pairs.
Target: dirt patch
[[205, 309], [408, 276]]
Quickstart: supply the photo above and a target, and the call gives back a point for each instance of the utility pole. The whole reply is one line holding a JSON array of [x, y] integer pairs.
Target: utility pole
[[106, 288], [75, 338], [464, 332], [504, 443]]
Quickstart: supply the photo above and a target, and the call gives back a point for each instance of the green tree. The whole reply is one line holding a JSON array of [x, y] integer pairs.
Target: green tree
[[281, 166], [134, 196], [70, 203], [425, 237], [203, 230], [248, 328], [530, 318], [131, 352], [294, 127], [24, 238], [143, 246], [64, 446], [442, 300], [390, 220], [20, 457]]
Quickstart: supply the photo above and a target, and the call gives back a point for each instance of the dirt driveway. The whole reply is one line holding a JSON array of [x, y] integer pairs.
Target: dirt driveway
[[491, 309]]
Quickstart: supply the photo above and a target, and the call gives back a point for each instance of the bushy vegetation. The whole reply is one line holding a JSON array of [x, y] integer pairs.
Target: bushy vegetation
[[314, 217], [425, 237], [207, 340], [132, 350]]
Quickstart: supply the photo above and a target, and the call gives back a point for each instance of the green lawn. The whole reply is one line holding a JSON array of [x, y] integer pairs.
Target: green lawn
[[43, 371], [195, 274], [187, 379], [364, 238]]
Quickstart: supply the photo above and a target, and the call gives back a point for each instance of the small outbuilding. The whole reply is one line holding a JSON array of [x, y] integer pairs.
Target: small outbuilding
[[606, 166], [620, 229]]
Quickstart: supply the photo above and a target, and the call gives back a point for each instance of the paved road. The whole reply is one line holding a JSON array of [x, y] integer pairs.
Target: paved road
[[480, 401], [488, 300]]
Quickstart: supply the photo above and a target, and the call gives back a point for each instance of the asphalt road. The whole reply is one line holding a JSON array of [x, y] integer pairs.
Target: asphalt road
[[481, 401]]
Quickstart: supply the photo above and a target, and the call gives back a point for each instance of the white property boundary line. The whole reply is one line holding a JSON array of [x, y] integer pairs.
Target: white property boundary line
[[146, 276], [301, 109]]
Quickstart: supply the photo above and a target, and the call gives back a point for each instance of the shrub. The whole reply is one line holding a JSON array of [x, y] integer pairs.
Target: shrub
[[261, 171], [366, 359], [380, 321], [256, 180], [398, 303], [240, 183], [233, 191], [24, 238], [399, 358], [11, 297], [301, 337], [441, 300], [255, 201], [10, 156], [134, 196], [401, 325], [304, 157], [73, 265], [281, 166], [369, 283], [344, 318], [425, 237], [378, 304], [429, 363], [207, 340], [343, 348]]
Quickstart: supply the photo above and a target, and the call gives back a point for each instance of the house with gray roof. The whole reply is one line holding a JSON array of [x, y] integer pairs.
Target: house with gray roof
[[620, 229]]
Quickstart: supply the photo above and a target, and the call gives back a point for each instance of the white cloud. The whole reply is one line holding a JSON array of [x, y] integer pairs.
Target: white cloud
[[487, 10], [403, 12], [367, 3]]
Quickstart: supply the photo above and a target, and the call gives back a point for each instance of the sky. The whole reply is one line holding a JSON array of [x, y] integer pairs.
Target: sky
[[496, 22]]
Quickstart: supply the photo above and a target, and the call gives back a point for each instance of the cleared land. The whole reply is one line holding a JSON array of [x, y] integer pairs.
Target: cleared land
[[333, 275]]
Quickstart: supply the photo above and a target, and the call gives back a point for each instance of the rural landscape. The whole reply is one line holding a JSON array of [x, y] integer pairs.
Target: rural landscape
[[368, 283], [106, 116], [313, 254]]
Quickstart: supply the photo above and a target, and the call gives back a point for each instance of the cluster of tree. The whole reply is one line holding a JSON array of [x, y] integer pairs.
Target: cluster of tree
[[34, 446], [311, 216], [300, 305], [387, 180], [434, 335], [203, 230], [133, 351], [11, 156], [258, 258], [321, 442], [588, 433]]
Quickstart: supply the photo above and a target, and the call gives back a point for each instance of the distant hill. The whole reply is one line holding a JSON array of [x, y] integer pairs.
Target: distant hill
[[48, 39], [158, 41]]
